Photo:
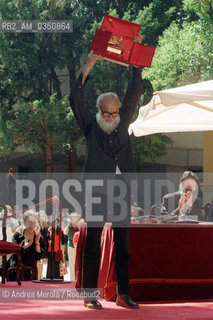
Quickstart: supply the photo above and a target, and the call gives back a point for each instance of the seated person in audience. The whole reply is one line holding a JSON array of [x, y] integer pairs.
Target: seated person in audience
[[30, 212], [31, 242], [13, 224], [137, 214], [185, 201]]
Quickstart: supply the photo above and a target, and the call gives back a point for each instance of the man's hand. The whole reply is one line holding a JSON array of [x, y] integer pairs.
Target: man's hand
[[91, 60], [138, 39], [186, 198]]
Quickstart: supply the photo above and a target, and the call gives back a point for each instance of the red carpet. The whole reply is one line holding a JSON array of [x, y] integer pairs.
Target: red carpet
[[74, 309]]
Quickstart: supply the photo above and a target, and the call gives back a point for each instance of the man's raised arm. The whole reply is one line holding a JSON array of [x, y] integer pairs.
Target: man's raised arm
[[91, 60], [134, 90], [77, 95]]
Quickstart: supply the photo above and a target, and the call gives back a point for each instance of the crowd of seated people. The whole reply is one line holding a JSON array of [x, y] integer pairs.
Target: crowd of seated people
[[33, 232]]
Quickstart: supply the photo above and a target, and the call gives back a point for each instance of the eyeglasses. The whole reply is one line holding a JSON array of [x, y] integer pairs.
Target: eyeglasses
[[107, 114]]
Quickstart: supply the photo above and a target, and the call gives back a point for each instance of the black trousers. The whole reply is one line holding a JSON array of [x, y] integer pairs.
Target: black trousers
[[92, 253], [92, 250]]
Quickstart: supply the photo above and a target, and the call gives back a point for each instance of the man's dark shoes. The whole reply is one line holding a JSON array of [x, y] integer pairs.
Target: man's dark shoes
[[93, 304], [123, 300]]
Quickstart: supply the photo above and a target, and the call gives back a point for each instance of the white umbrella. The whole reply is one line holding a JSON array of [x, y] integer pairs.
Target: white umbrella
[[188, 108]]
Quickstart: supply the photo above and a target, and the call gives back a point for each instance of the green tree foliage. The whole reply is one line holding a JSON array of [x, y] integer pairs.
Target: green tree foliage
[[33, 61], [155, 17], [149, 148], [203, 8], [184, 55], [33, 67], [45, 127]]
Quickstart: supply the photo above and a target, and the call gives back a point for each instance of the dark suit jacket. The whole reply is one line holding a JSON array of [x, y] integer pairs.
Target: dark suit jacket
[[171, 202], [105, 151]]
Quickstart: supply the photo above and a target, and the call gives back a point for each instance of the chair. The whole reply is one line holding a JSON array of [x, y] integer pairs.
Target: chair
[[6, 248]]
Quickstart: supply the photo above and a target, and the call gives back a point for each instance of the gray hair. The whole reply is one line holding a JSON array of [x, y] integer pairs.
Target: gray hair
[[105, 95]]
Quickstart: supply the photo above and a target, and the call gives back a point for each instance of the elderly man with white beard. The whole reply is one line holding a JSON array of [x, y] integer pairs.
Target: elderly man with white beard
[[108, 151]]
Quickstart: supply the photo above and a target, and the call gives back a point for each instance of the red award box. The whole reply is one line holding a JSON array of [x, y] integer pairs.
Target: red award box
[[115, 42]]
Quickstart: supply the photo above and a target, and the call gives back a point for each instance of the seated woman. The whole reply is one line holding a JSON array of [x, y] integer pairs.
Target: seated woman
[[185, 201], [31, 242]]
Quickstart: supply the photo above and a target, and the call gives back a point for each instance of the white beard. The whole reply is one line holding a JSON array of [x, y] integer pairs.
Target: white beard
[[107, 127]]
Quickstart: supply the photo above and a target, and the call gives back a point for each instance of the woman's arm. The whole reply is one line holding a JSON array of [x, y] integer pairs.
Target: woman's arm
[[37, 241]]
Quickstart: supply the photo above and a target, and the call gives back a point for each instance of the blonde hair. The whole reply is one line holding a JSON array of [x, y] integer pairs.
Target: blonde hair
[[43, 216], [26, 216]]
